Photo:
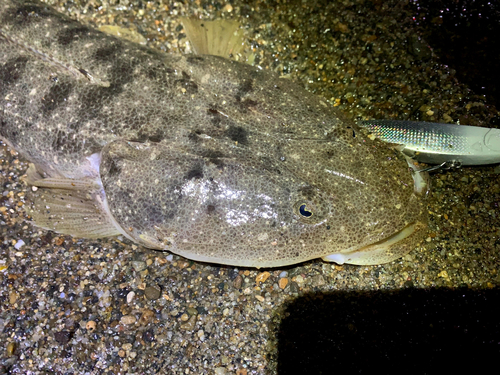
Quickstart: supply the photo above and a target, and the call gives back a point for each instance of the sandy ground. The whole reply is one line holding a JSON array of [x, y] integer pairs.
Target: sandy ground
[[74, 306]]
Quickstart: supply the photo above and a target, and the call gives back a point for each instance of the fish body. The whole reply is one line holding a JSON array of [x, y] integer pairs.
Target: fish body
[[209, 158]]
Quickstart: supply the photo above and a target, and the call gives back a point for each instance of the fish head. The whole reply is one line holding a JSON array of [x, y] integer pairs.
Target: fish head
[[344, 198], [375, 197], [259, 172]]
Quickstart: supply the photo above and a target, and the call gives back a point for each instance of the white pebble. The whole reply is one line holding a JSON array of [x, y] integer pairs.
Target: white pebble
[[19, 244], [130, 297]]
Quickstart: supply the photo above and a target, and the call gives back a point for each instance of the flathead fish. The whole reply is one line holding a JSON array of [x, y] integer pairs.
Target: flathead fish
[[211, 159]]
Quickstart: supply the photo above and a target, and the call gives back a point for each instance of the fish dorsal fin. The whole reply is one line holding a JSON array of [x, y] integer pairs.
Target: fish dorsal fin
[[121, 32], [68, 206], [219, 37]]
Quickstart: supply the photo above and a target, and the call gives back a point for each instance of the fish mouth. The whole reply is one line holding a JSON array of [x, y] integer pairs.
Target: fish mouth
[[398, 244], [385, 250]]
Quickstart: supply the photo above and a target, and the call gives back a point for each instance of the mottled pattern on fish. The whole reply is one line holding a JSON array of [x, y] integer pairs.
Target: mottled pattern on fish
[[209, 158]]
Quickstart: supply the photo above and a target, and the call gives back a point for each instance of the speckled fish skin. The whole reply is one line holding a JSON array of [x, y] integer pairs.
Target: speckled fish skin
[[208, 158]]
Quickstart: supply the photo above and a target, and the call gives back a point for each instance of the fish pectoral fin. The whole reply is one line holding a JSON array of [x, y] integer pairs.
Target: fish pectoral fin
[[74, 207], [34, 178], [384, 251], [71, 212], [32, 175]]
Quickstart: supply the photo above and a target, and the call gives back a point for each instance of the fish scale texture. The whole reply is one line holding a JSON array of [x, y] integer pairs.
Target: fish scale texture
[[209, 158]]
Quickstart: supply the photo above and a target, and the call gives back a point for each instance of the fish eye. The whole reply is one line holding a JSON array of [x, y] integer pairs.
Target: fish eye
[[304, 212], [311, 207]]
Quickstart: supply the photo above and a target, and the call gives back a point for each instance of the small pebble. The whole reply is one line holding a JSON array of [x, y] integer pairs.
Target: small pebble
[[318, 280], [283, 274], [138, 265], [11, 348], [237, 282], [200, 334], [190, 324], [148, 336], [130, 296], [19, 244], [152, 292], [91, 325], [299, 279], [146, 317], [262, 277], [13, 296], [443, 274], [192, 311], [283, 282], [161, 339], [62, 337], [128, 319], [294, 287]]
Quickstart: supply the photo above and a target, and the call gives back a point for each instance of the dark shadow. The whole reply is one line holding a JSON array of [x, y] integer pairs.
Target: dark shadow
[[415, 331], [466, 36]]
